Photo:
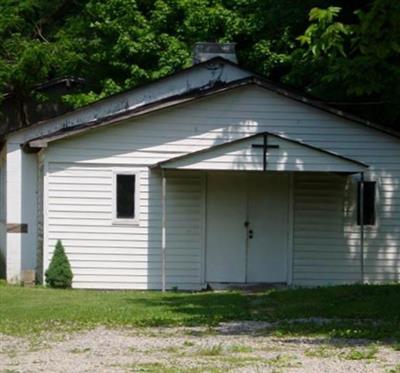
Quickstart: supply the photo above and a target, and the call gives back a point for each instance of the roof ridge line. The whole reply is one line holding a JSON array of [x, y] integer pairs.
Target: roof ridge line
[[191, 95]]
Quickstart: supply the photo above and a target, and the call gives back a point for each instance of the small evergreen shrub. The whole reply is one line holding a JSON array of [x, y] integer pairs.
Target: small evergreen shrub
[[59, 273]]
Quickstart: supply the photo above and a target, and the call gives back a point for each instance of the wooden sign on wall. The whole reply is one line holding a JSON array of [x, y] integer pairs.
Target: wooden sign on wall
[[17, 228]]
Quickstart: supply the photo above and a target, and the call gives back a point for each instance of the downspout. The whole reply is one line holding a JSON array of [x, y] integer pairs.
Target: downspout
[[361, 202], [163, 229]]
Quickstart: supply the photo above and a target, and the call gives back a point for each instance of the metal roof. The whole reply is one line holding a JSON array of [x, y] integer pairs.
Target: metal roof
[[190, 96]]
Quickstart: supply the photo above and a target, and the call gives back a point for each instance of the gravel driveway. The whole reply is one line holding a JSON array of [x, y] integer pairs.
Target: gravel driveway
[[236, 347]]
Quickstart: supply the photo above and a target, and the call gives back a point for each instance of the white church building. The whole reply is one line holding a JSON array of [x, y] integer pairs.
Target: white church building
[[212, 176]]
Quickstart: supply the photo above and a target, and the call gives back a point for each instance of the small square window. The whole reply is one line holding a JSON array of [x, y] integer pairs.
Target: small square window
[[125, 197], [368, 203]]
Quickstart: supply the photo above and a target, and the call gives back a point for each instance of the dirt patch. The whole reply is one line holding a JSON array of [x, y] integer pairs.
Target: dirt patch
[[236, 347]]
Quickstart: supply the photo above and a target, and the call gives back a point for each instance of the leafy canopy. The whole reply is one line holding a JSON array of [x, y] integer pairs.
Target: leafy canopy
[[358, 63], [347, 52]]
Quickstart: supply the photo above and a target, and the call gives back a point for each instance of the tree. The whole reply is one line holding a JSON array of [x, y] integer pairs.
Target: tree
[[348, 53], [31, 51], [356, 65], [59, 273], [119, 44]]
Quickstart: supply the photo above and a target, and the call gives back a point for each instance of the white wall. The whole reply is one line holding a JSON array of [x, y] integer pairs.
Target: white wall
[[241, 155], [326, 240], [232, 115], [22, 168], [21, 205], [104, 254]]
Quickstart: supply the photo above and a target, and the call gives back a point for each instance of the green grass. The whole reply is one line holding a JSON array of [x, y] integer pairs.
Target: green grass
[[395, 369], [320, 352], [358, 354], [355, 311], [284, 361], [215, 350], [240, 349], [79, 350], [161, 368]]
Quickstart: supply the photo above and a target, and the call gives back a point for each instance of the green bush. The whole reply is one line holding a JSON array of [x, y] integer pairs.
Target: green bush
[[59, 273]]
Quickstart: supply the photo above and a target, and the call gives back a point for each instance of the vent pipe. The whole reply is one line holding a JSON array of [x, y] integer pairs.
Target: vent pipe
[[203, 51]]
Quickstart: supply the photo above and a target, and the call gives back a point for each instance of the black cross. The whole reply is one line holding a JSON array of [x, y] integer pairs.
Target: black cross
[[265, 148]]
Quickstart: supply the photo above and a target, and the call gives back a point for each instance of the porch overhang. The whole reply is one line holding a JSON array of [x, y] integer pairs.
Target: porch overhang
[[264, 151]]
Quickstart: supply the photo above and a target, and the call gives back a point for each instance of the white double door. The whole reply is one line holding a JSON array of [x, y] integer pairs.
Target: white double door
[[247, 227]]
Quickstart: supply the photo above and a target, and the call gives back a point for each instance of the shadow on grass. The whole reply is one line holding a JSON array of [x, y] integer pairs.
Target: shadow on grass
[[198, 308], [343, 311], [368, 311]]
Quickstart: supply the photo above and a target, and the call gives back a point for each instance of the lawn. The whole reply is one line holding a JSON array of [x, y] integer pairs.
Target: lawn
[[371, 311]]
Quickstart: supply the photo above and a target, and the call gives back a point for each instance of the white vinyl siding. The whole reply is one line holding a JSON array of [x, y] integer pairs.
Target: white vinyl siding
[[225, 117], [241, 155], [327, 247], [382, 240], [106, 255]]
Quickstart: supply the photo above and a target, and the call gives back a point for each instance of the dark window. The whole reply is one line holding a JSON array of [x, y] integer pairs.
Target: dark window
[[125, 196], [368, 203]]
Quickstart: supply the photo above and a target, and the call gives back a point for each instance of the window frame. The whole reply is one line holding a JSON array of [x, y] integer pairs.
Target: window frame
[[126, 221], [358, 215]]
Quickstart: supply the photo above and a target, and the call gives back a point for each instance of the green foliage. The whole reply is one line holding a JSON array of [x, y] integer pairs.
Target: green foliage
[[356, 63], [31, 51], [347, 51], [119, 44], [324, 36], [59, 273]]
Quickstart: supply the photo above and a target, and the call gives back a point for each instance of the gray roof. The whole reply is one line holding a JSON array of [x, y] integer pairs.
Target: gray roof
[[219, 87]]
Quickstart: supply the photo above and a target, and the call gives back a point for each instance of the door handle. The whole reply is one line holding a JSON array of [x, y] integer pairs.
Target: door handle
[[250, 234]]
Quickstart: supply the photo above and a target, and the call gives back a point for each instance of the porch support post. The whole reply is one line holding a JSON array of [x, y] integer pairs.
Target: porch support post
[[361, 210], [163, 229]]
